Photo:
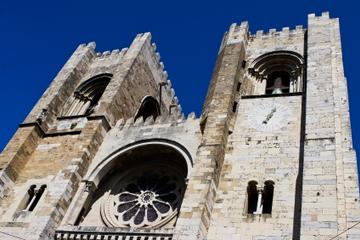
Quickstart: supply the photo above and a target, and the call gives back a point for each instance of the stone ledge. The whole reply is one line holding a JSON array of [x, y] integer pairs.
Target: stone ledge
[[273, 95], [76, 232]]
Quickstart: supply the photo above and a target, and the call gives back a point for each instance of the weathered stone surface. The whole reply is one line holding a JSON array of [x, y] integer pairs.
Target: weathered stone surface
[[300, 141]]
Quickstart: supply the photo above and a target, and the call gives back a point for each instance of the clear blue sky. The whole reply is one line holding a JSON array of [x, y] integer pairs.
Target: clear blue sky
[[37, 37]]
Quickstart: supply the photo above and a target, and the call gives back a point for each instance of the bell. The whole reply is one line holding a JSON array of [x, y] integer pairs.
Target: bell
[[278, 86]]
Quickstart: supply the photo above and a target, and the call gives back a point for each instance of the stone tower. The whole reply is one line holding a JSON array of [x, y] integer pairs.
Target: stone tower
[[106, 152]]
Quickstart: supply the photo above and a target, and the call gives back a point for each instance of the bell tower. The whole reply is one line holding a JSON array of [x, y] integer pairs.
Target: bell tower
[[276, 156]]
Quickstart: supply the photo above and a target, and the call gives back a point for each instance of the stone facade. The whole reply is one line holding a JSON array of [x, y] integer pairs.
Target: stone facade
[[270, 157]]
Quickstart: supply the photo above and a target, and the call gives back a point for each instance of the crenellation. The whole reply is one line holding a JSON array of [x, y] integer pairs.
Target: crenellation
[[191, 115], [259, 33], [172, 93], [91, 45], [115, 51], [168, 84], [157, 57], [273, 33], [165, 75], [154, 46], [299, 28]]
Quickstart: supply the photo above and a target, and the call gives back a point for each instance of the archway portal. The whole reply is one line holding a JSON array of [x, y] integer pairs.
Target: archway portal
[[143, 188]]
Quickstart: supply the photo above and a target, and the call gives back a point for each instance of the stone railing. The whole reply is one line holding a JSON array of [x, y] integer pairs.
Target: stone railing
[[105, 233]]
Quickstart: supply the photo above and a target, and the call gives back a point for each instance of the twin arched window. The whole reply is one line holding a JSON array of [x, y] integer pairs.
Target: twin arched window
[[260, 198], [87, 95]]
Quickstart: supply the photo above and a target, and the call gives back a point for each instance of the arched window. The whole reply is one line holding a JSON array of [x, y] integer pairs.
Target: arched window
[[149, 107], [268, 196], [252, 192], [277, 72], [87, 95], [30, 201], [260, 199]]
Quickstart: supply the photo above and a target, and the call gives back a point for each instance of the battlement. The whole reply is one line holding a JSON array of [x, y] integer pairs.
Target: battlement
[[114, 53], [142, 49], [324, 15], [237, 33], [161, 120], [164, 80], [240, 32], [273, 32]]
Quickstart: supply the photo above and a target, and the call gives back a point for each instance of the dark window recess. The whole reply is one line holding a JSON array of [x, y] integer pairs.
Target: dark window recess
[[202, 125], [34, 195], [234, 106], [87, 95], [278, 83], [149, 107], [268, 194], [252, 196], [80, 218], [238, 86], [243, 64]]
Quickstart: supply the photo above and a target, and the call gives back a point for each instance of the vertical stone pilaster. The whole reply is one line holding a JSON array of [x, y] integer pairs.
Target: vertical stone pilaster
[[328, 155], [195, 215]]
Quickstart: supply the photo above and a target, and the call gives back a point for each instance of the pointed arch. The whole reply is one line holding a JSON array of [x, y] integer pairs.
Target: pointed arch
[[149, 107]]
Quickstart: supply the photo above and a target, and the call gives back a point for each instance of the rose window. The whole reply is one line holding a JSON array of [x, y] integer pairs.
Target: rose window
[[148, 199]]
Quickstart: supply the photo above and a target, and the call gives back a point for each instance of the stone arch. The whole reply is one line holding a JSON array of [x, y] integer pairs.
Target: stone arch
[[140, 185], [88, 94], [268, 195], [149, 107], [108, 162], [286, 65]]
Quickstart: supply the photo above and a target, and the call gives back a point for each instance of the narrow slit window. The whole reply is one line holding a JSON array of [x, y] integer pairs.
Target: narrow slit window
[[29, 197], [243, 64], [35, 198], [234, 106], [238, 86]]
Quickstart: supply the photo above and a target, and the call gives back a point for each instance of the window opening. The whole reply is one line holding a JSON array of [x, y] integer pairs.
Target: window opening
[[234, 106], [278, 83], [260, 199], [252, 192], [35, 197], [268, 196], [238, 86], [149, 107], [87, 95]]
